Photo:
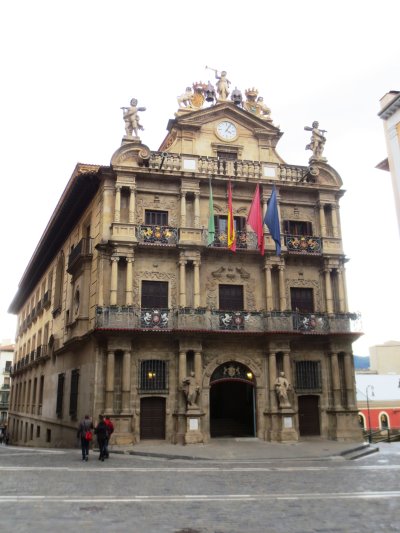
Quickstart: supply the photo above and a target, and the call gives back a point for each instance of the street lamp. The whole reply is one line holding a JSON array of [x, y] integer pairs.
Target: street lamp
[[369, 415]]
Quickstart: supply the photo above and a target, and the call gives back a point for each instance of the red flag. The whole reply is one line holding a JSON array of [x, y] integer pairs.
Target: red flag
[[231, 223], [254, 219]]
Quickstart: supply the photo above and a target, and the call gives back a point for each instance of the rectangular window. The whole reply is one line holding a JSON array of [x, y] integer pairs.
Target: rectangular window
[[154, 294], [60, 395], [227, 156], [8, 366], [297, 227], [221, 223], [153, 376], [231, 297], [73, 399], [156, 218], [41, 389], [302, 300], [308, 376]]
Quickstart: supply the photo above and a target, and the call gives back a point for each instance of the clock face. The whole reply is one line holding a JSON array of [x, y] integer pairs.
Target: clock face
[[226, 130]]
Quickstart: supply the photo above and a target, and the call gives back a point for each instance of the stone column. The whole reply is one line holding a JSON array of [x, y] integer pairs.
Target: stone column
[[117, 207], [100, 280], [197, 209], [183, 209], [282, 294], [328, 291], [114, 280], [182, 366], [196, 291], [268, 287], [322, 221], [132, 205], [272, 378], [342, 299], [349, 379], [129, 281], [198, 367], [335, 381], [109, 407], [335, 226], [126, 381], [343, 277], [287, 367], [182, 282]]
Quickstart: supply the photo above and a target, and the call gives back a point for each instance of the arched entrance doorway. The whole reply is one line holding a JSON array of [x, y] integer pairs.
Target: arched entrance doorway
[[232, 401]]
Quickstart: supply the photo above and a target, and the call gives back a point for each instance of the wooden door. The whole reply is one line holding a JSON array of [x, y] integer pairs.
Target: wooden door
[[309, 415], [152, 418]]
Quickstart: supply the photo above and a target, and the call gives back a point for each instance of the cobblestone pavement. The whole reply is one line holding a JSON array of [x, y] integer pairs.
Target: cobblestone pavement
[[46, 490]]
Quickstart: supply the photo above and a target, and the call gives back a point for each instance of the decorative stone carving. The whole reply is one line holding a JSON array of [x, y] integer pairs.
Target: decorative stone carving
[[131, 118], [317, 141], [282, 387], [191, 391]]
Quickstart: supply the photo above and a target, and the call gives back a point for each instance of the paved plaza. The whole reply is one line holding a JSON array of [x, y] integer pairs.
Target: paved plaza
[[227, 487]]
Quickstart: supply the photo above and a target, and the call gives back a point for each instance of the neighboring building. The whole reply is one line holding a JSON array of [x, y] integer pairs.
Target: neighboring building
[[385, 358], [6, 358], [382, 410], [134, 305], [390, 114]]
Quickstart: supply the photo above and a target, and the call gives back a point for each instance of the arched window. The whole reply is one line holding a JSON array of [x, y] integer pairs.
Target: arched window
[[361, 420], [384, 421]]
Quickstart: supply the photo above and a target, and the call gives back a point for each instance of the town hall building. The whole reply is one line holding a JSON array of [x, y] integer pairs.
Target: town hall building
[[190, 292]]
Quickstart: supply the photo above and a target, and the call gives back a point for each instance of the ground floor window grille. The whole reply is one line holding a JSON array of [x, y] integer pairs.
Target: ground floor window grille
[[153, 376], [308, 376], [73, 400]]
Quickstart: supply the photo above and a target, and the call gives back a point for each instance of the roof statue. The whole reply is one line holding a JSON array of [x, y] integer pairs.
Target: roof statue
[[317, 141], [200, 93], [131, 118]]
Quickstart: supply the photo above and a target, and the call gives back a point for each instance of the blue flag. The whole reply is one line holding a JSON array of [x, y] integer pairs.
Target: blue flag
[[272, 221]]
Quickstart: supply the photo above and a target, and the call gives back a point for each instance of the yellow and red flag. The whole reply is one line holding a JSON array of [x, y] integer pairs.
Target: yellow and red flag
[[231, 223]]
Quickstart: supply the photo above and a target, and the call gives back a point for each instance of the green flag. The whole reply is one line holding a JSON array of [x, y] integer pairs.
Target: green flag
[[211, 224]]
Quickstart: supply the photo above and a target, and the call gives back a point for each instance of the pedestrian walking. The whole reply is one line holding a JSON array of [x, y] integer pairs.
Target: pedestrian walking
[[101, 433], [85, 434], [110, 431]]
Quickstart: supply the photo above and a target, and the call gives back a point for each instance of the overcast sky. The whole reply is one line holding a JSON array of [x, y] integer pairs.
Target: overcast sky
[[68, 67]]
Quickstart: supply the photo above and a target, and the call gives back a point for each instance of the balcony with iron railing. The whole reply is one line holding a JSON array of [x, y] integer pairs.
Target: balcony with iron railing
[[159, 235], [80, 252], [211, 320], [303, 244]]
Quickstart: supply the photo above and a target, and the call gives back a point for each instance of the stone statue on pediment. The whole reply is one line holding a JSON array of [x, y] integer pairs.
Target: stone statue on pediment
[[317, 141], [131, 118]]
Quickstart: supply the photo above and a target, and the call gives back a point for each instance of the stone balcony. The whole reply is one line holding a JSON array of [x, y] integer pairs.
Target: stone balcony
[[205, 320]]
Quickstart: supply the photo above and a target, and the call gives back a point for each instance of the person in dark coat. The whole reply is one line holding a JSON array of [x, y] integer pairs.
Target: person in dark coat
[[101, 433], [84, 426]]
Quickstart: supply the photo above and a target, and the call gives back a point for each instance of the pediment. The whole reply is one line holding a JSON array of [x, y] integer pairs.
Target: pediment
[[196, 119]]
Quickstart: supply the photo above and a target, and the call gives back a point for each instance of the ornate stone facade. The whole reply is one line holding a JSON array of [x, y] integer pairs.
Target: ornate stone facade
[[130, 308]]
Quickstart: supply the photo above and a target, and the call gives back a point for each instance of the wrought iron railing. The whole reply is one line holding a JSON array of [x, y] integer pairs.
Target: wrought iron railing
[[244, 240], [82, 249], [202, 319], [150, 234], [303, 244]]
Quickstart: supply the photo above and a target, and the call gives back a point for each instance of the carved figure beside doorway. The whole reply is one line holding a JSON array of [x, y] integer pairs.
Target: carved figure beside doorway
[[282, 387], [191, 390]]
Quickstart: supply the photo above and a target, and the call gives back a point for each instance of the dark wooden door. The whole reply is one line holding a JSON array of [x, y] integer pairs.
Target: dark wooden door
[[152, 418], [309, 415]]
